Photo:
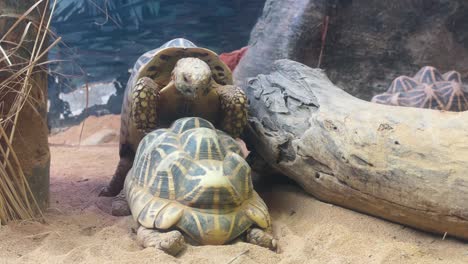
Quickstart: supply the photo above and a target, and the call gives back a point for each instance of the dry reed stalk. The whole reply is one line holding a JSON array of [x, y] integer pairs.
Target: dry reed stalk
[[16, 199]]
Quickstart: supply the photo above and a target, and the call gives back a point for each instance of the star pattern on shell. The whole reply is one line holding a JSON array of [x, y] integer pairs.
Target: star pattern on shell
[[191, 177], [427, 89]]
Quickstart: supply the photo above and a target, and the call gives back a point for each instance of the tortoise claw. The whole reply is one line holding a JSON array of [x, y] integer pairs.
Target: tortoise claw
[[120, 205], [170, 242], [116, 183], [261, 238], [243, 147], [105, 192]]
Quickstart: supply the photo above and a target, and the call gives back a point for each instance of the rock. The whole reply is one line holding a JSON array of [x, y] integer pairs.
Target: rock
[[368, 44], [101, 137]]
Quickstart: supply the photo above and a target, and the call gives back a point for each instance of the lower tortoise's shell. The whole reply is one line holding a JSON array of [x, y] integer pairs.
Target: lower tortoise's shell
[[192, 177]]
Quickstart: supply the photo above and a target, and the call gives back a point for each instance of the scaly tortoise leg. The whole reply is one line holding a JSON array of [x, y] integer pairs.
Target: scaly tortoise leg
[[234, 109], [120, 205], [117, 181], [171, 242], [261, 238], [143, 112], [145, 97]]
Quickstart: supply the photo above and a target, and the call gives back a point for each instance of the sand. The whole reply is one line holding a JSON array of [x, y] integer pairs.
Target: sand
[[93, 128], [78, 228]]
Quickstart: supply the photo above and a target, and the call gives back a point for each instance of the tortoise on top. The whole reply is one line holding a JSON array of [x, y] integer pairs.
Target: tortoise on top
[[176, 80], [192, 178], [427, 89]]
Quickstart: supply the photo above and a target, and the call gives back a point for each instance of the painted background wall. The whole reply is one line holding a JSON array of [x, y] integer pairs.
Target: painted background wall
[[103, 39]]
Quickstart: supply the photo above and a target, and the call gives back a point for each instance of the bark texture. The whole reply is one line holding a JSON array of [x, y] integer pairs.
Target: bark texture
[[406, 165]]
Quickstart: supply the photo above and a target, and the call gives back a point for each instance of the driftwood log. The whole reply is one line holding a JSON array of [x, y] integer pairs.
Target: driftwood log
[[405, 165]]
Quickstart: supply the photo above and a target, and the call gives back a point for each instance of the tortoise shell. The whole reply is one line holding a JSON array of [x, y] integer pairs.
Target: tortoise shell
[[427, 89], [158, 64], [191, 177]]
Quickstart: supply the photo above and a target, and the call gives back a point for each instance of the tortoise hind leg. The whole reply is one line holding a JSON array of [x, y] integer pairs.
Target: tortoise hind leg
[[261, 238], [120, 205], [171, 242], [234, 108], [143, 114], [144, 104], [117, 181]]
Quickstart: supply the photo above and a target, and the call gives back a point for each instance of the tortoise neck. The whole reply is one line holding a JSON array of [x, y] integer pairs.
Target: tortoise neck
[[168, 87], [205, 91]]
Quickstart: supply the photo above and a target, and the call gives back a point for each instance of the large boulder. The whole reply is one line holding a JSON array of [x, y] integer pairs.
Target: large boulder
[[368, 43]]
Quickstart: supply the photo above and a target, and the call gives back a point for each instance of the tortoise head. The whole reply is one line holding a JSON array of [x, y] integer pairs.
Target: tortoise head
[[192, 77]]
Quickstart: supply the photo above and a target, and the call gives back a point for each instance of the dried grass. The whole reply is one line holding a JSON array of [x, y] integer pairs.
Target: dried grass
[[16, 199]]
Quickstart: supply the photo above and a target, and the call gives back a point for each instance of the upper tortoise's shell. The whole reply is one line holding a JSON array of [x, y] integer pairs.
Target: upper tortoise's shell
[[158, 64], [192, 177], [427, 89]]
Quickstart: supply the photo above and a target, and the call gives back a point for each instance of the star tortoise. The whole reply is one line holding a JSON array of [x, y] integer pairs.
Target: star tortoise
[[427, 89], [176, 80], [191, 177]]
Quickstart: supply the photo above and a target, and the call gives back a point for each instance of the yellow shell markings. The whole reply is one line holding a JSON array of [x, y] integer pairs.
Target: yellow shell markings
[[197, 222], [218, 148], [216, 180], [153, 143], [218, 222], [158, 66], [216, 235], [166, 162]]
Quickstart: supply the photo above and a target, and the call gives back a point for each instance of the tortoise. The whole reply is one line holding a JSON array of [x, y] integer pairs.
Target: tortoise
[[175, 80], [191, 178], [427, 89]]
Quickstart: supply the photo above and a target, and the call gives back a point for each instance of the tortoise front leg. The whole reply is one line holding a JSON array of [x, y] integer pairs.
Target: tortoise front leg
[[171, 242], [261, 238], [234, 109], [145, 97]]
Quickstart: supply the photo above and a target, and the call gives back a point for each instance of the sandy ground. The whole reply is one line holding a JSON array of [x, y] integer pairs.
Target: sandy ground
[[78, 229]]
